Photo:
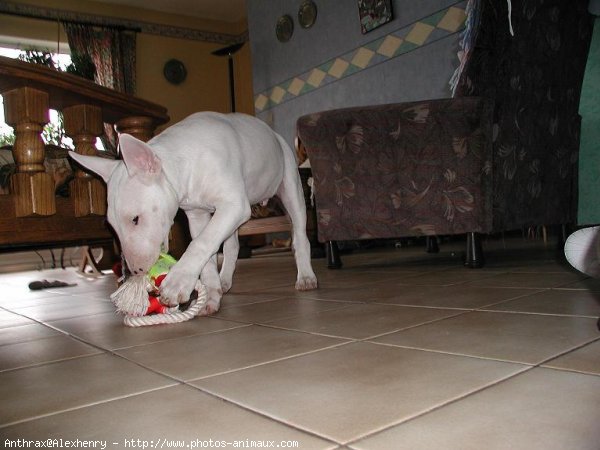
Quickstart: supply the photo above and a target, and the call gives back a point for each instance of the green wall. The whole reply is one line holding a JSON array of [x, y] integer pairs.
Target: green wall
[[589, 153]]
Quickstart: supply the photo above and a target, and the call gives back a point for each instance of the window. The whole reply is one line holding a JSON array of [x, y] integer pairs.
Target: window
[[53, 132]]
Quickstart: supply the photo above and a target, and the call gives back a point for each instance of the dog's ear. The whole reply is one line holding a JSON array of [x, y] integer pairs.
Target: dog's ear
[[139, 157], [101, 166]]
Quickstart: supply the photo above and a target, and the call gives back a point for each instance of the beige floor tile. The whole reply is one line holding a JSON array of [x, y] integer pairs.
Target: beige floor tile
[[232, 299], [178, 413], [25, 333], [539, 410], [585, 359], [296, 379], [348, 279], [522, 338], [409, 258], [363, 321], [108, 331], [100, 287], [546, 267], [555, 301], [347, 392], [41, 390], [18, 284], [338, 293], [445, 296], [9, 319], [68, 307], [256, 279], [259, 283], [528, 280], [14, 297], [31, 298], [589, 284], [23, 354], [22, 279], [450, 277], [201, 356], [283, 308]]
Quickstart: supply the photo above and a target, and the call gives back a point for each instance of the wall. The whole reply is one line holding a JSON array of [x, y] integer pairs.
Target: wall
[[589, 150], [206, 87], [332, 64]]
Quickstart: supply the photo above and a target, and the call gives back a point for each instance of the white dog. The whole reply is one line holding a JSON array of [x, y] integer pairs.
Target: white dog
[[213, 166]]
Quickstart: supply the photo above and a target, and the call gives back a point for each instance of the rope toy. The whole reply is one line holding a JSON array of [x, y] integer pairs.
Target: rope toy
[[138, 298]]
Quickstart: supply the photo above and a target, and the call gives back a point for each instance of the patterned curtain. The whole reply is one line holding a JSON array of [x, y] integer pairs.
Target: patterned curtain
[[529, 56], [112, 51]]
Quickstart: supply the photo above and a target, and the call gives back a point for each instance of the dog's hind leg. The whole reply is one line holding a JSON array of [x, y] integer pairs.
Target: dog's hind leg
[[231, 248], [290, 193], [197, 220]]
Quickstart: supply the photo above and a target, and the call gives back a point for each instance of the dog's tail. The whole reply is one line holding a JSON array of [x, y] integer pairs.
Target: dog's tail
[[287, 151]]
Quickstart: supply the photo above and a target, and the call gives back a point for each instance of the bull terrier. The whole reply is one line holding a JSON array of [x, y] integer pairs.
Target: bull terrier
[[213, 166]]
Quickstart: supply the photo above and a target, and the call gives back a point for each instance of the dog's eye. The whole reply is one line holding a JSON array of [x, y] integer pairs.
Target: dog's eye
[[135, 220]]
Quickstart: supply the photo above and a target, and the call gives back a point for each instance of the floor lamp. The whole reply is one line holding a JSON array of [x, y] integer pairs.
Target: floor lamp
[[229, 51]]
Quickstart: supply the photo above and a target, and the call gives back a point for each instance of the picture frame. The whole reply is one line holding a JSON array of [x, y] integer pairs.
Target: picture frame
[[373, 14]]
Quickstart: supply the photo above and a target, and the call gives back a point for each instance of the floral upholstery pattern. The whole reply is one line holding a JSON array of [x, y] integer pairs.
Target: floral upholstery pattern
[[420, 168]]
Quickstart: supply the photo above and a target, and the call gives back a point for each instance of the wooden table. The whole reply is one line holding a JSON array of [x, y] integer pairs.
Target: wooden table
[[31, 215]]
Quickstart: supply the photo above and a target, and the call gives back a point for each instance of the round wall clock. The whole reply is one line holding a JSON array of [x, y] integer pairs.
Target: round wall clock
[[284, 28], [307, 14], [174, 71]]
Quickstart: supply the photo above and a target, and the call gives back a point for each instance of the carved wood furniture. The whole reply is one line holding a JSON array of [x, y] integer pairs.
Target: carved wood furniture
[[31, 215]]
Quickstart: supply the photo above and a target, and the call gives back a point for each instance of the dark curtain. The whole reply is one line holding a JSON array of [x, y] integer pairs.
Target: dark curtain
[[534, 75], [112, 51]]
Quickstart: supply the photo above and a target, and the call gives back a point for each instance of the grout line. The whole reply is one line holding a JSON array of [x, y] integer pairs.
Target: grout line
[[264, 363], [86, 405], [441, 352], [176, 338], [441, 405], [296, 427], [534, 313], [559, 355]]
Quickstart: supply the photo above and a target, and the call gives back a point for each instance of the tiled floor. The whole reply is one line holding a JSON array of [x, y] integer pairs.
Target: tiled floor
[[399, 349]]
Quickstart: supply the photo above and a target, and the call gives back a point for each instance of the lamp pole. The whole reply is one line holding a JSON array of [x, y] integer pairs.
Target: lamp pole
[[229, 51]]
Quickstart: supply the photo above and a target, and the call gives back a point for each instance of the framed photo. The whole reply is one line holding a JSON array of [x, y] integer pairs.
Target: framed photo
[[374, 13]]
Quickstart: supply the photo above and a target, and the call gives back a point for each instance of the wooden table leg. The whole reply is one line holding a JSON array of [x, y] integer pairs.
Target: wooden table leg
[[139, 127], [83, 124], [26, 110]]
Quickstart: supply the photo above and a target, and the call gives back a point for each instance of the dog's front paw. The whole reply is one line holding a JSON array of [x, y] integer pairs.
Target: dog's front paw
[[213, 301], [177, 287], [306, 283]]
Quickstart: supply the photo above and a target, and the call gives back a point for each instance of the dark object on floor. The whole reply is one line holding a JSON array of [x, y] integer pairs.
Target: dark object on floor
[[45, 284]]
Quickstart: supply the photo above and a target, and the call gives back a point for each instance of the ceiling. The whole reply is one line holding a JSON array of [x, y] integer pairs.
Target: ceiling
[[222, 10]]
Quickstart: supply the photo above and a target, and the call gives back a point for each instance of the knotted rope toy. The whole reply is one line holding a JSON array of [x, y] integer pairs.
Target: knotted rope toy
[[138, 298]]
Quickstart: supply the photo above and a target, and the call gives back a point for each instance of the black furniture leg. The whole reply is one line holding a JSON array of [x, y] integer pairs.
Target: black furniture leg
[[333, 255], [474, 258], [432, 244]]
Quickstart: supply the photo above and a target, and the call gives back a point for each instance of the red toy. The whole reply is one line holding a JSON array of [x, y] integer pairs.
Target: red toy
[[155, 305]]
